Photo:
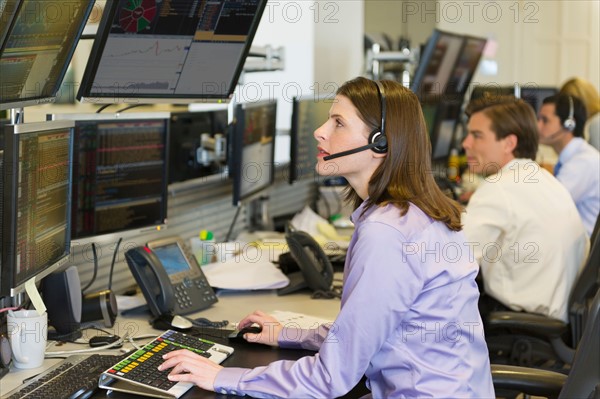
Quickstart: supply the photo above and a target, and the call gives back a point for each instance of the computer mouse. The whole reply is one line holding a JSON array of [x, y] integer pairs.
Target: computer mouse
[[238, 335], [101, 340], [181, 322]]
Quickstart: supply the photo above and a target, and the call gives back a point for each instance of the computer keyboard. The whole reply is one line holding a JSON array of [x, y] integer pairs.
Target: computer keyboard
[[138, 373], [74, 378]]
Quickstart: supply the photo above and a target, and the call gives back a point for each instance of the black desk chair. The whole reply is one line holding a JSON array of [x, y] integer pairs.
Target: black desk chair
[[583, 380], [533, 339]]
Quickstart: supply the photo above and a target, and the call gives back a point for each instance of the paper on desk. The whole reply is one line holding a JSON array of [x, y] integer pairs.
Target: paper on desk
[[243, 273], [321, 230], [299, 320]]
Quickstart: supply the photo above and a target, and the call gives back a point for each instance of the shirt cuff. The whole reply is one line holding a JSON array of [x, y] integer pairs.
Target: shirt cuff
[[291, 338], [228, 380]]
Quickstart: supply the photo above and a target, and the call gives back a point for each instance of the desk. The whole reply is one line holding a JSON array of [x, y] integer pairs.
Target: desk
[[231, 306]]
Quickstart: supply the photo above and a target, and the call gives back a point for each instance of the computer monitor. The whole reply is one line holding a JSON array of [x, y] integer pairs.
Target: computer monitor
[[490, 90], [441, 119], [429, 113], [465, 68], [120, 173], [252, 149], [186, 130], [308, 114], [170, 51], [531, 93], [8, 10], [38, 48], [36, 200], [436, 64], [535, 95]]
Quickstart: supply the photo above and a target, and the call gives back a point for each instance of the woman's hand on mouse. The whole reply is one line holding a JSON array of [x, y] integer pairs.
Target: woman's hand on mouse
[[271, 328], [190, 367]]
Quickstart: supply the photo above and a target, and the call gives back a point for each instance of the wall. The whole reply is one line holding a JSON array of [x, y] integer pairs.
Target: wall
[[339, 32], [398, 18], [542, 42], [323, 48]]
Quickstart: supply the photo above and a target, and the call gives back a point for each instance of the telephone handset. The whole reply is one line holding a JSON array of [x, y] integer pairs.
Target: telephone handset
[[316, 271], [170, 277]]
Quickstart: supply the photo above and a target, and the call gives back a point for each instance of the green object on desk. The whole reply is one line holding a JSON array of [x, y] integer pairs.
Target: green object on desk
[[206, 235]]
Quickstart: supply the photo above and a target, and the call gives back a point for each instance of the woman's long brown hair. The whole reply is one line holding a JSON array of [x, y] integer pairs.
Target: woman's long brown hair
[[405, 175]]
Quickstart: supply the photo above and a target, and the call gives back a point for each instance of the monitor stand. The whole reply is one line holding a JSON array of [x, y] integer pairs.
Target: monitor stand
[[259, 217]]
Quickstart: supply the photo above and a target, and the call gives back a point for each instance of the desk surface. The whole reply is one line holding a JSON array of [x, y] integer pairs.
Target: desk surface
[[231, 306]]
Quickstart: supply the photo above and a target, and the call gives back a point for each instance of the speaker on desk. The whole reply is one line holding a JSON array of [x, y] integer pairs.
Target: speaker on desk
[[62, 295], [101, 305]]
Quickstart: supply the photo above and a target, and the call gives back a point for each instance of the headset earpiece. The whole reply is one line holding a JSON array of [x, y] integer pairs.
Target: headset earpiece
[[379, 141], [378, 135], [569, 123]]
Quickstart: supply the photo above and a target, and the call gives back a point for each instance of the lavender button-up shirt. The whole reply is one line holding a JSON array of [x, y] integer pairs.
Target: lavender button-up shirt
[[408, 321]]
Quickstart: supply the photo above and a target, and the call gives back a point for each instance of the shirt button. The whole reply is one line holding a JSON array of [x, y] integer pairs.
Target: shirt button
[[223, 391], [233, 392]]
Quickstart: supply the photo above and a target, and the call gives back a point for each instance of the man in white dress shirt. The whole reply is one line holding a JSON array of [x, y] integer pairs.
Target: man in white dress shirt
[[522, 224], [561, 122]]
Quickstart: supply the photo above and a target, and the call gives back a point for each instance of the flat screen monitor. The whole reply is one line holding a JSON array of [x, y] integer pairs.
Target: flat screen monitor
[[120, 173], [442, 119], [8, 10], [429, 113], [436, 64], [308, 114], [535, 95], [465, 67], [36, 199], [491, 90], [252, 149], [186, 132], [532, 94], [170, 51], [38, 48]]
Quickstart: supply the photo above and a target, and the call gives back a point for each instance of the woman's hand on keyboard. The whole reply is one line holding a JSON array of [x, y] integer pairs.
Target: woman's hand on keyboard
[[191, 367], [270, 328]]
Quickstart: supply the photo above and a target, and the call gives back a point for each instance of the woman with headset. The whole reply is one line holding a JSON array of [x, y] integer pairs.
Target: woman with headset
[[409, 320]]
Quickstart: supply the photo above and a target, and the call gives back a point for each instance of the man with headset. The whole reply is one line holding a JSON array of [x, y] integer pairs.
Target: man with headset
[[522, 224], [561, 123]]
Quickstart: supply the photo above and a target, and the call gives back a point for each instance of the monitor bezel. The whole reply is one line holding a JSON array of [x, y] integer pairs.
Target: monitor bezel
[[51, 97], [236, 151], [99, 117], [84, 94], [9, 285]]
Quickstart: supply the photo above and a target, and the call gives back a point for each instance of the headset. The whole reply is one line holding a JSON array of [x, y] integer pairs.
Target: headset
[[377, 138], [570, 122]]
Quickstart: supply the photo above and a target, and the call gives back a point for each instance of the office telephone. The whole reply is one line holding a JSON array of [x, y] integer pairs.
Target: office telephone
[[316, 271], [170, 278]]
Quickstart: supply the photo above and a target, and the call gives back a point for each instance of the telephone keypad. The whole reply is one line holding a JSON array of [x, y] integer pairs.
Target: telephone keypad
[[196, 288]]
